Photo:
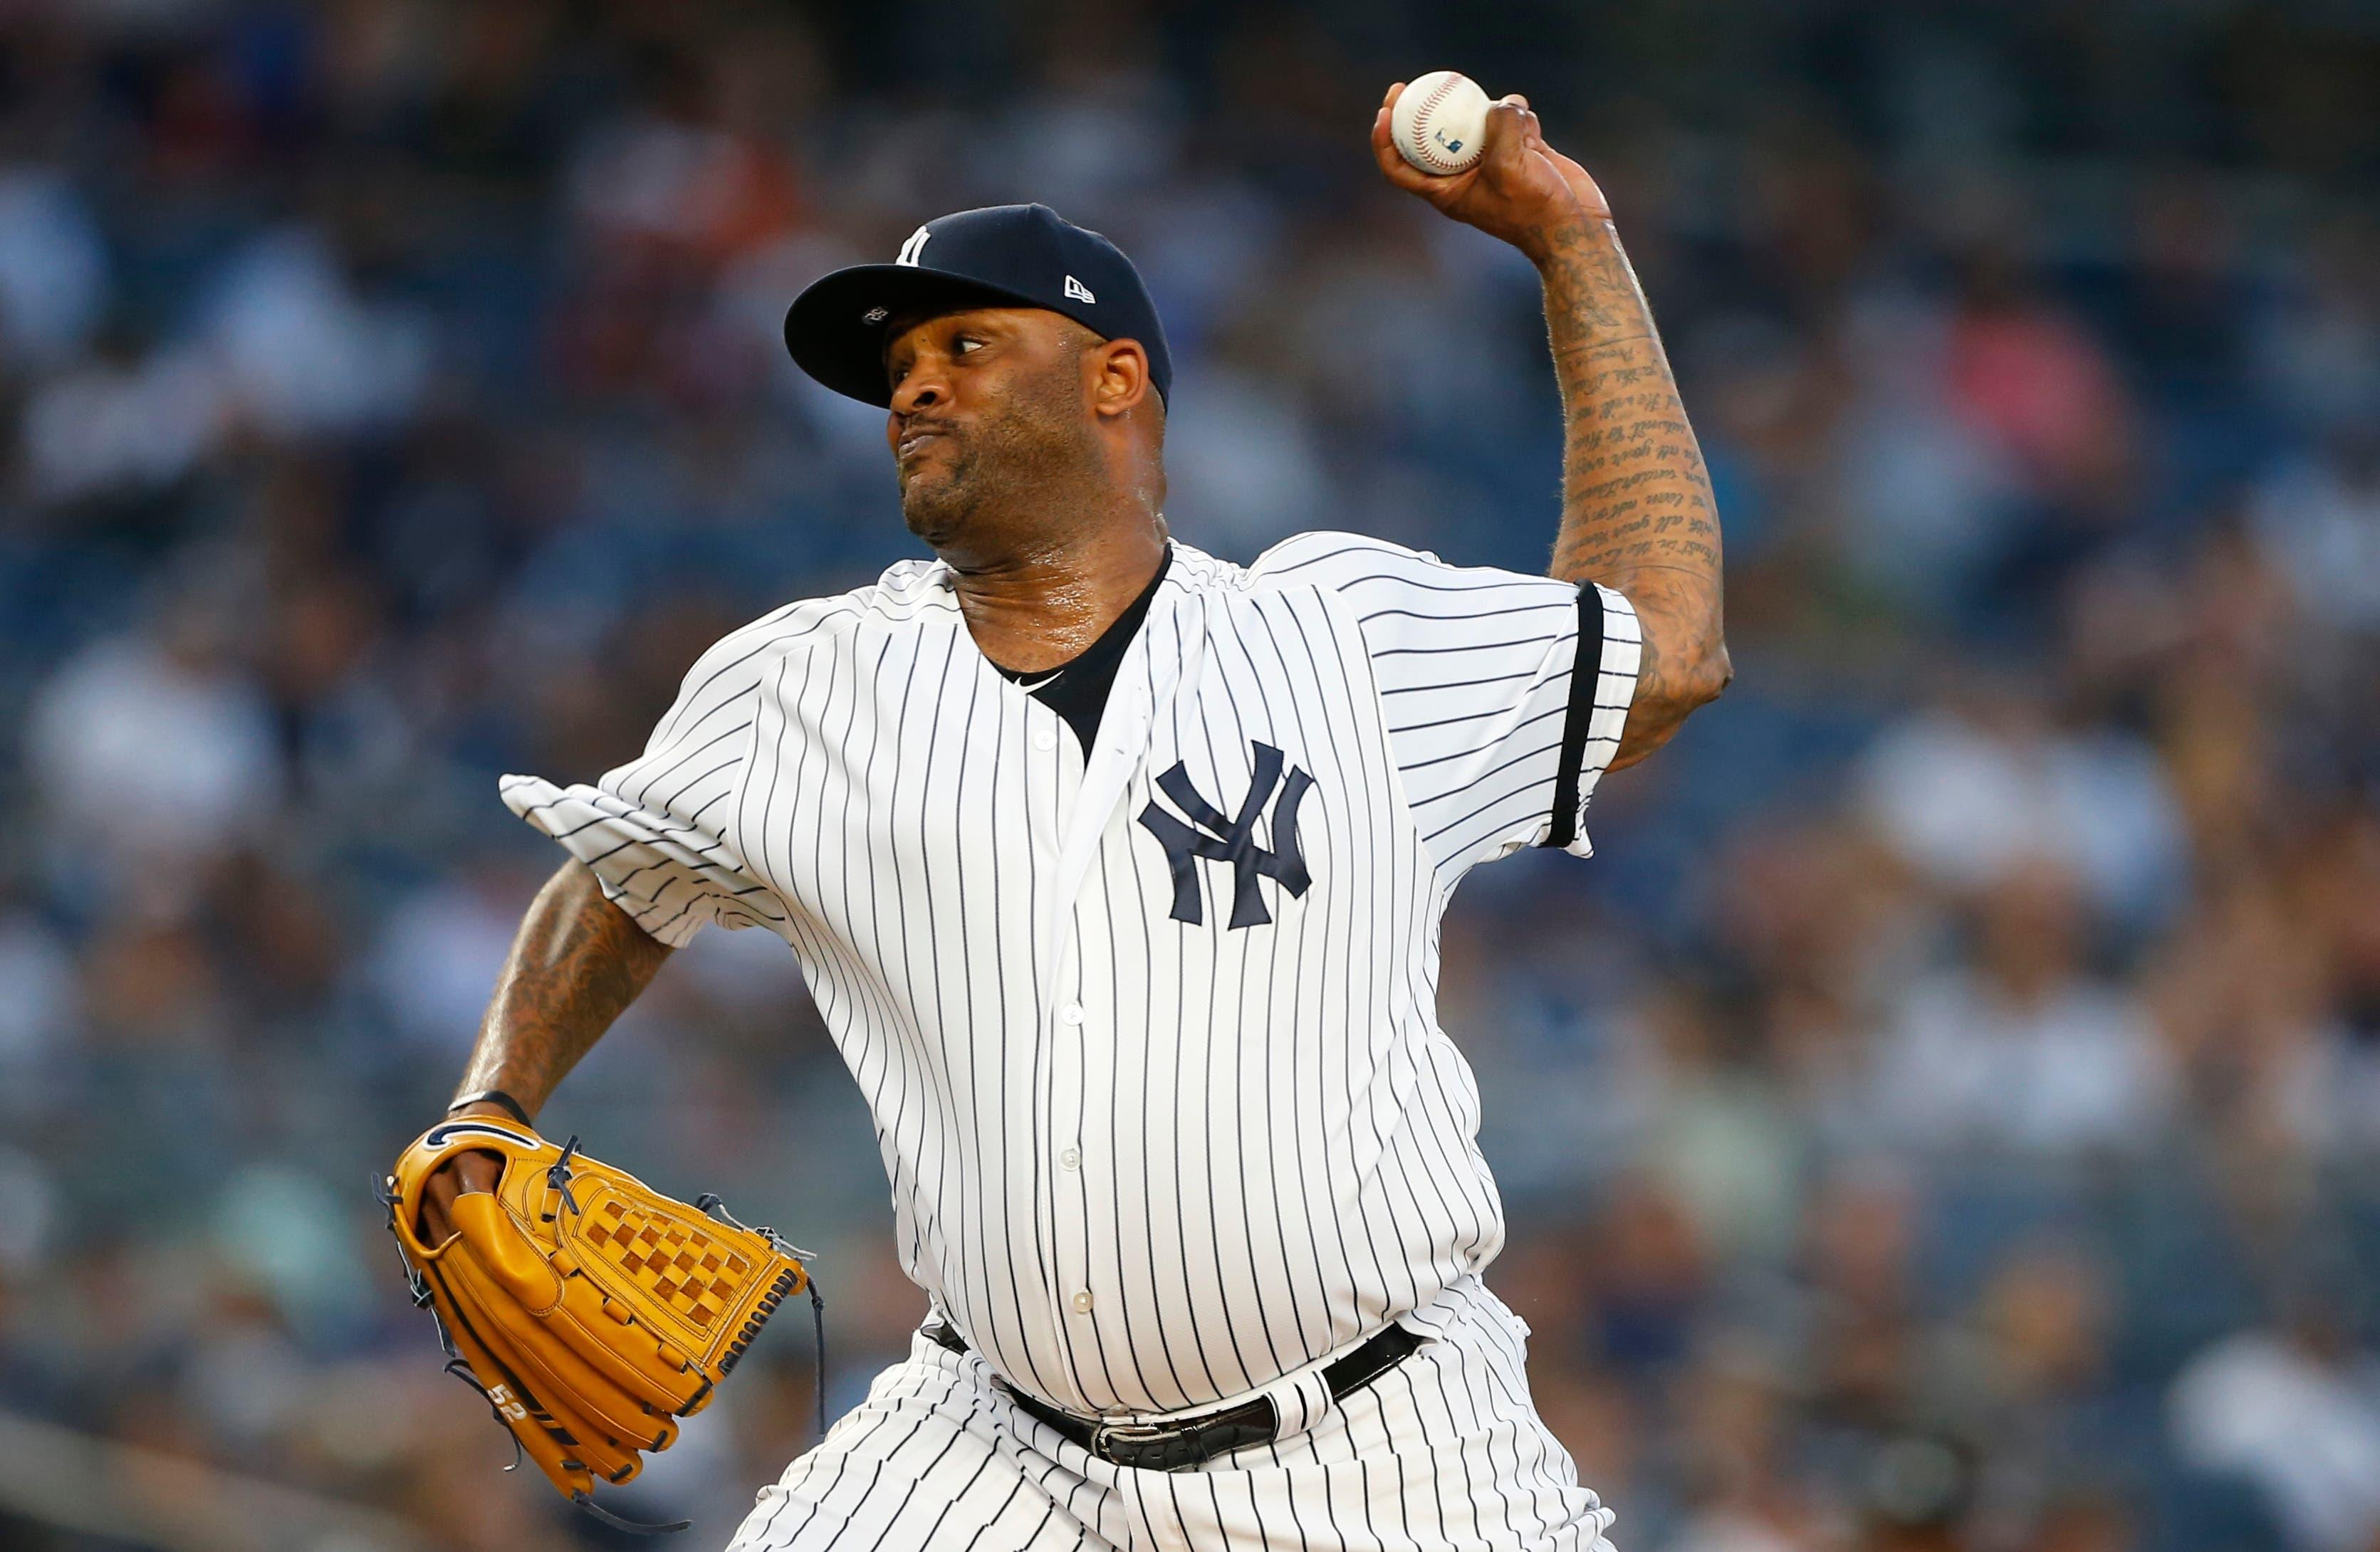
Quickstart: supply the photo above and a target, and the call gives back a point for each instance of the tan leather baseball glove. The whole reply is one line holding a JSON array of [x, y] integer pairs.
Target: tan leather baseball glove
[[590, 1310]]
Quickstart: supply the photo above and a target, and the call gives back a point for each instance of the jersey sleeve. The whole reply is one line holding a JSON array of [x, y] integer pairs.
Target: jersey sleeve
[[1504, 694], [659, 832]]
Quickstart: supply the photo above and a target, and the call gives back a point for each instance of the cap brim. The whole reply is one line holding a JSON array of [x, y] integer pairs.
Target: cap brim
[[836, 327]]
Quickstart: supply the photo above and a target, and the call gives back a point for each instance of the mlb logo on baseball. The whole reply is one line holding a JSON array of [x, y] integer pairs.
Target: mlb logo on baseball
[[1440, 122]]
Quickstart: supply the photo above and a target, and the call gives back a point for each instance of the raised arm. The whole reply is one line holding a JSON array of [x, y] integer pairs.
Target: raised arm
[[1637, 512], [575, 964]]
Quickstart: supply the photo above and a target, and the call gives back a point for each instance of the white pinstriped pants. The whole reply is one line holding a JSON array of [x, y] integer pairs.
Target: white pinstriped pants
[[1443, 1453]]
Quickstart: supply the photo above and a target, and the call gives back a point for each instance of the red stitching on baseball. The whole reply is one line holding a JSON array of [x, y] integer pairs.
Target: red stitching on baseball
[[1421, 114]]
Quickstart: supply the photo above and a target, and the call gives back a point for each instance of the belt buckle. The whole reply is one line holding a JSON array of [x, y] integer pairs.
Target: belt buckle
[[1140, 1439]]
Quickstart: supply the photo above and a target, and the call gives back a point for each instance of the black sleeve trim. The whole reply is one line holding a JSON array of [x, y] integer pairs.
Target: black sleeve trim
[[1584, 674]]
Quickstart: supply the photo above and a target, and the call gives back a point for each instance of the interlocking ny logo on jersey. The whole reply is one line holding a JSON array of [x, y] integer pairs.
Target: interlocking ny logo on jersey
[[1232, 841]]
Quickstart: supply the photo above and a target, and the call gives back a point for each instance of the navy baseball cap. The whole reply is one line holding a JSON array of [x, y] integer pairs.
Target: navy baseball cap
[[1000, 256]]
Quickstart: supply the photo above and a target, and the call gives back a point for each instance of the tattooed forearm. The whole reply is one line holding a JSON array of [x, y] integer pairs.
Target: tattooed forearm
[[1637, 512], [578, 962]]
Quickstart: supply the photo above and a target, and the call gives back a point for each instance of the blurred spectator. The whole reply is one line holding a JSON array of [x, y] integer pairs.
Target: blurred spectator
[[2320, 515], [2020, 1049], [2295, 1408], [438, 957], [2033, 379], [1972, 791], [1916, 1496], [1650, 1276], [2085, 1521], [123, 425], [42, 1009], [1929, 495], [53, 268], [2322, 343], [302, 353], [96, 734]]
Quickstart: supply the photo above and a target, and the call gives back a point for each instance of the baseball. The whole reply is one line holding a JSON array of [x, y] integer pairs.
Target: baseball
[[1440, 121]]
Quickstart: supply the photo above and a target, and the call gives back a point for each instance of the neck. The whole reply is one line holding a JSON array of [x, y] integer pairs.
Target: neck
[[1040, 608]]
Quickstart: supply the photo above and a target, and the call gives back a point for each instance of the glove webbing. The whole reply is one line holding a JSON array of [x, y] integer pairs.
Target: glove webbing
[[708, 1202]]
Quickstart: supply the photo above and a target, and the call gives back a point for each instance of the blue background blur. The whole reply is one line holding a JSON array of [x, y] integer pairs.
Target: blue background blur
[[1944, 1116]]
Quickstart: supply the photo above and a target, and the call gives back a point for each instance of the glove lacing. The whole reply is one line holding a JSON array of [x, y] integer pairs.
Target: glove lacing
[[708, 1202]]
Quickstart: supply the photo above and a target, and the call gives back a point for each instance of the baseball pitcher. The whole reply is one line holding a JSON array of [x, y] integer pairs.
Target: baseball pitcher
[[1115, 870]]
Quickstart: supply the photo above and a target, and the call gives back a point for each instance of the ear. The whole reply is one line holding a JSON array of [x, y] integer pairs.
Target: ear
[[1115, 373]]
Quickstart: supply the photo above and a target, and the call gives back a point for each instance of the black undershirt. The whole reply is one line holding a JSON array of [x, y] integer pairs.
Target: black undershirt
[[1078, 691]]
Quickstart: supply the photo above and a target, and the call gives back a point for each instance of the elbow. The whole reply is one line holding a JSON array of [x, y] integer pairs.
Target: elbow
[[1722, 672], [1655, 716], [1693, 688], [1709, 678]]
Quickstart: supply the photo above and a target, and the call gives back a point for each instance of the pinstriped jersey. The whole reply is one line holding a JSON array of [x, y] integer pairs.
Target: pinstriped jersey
[[1147, 1029]]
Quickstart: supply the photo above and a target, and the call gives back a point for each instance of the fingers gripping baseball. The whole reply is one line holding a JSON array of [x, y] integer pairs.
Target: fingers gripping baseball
[[1519, 189]]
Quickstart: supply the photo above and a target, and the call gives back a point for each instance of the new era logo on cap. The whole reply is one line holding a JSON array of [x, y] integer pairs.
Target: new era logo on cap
[[1002, 256]]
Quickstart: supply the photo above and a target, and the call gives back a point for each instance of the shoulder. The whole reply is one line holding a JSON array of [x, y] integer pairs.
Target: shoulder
[[1332, 560], [1323, 563], [1390, 584], [907, 589], [1302, 574], [788, 628], [747, 655], [1376, 568]]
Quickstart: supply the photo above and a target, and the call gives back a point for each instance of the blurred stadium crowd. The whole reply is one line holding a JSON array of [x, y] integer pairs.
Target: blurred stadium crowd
[[1944, 1117]]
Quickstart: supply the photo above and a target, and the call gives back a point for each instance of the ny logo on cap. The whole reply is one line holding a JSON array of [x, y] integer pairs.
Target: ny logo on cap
[[1232, 841], [910, 249], [1079, 291]]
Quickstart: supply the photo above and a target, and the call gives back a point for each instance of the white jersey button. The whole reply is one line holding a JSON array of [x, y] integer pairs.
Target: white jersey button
[[1045, 741], [1083, 1301], [1072, 1158], [1071, 1014]]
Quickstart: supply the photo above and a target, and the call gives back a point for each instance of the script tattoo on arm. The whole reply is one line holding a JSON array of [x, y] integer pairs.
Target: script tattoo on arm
[[575, 964], [1637, 510]]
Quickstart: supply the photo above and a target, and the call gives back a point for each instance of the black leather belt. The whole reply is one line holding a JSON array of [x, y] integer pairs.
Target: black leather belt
[[1179, 1446]]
